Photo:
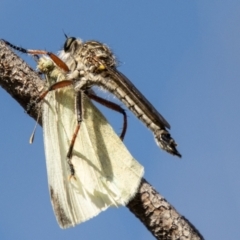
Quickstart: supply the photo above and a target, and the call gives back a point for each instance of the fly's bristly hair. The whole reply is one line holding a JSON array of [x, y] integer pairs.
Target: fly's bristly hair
[[92, 63]]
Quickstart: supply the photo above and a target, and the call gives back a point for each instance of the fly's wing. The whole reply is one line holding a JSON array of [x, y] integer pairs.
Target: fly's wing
[[106, 174]]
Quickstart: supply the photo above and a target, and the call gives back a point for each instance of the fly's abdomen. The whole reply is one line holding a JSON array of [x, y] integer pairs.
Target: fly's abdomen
[[161, 134]]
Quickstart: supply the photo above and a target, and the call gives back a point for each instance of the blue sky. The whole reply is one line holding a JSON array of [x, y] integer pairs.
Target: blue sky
[[184, 56]]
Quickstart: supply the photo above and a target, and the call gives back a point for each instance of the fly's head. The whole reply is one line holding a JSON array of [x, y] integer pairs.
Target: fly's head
[[72, 45]]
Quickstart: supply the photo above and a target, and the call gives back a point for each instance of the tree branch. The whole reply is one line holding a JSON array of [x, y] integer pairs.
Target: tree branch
[[159, 217]]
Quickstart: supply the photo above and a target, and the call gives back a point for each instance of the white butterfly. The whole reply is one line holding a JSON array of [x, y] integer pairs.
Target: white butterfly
[[105, 173]]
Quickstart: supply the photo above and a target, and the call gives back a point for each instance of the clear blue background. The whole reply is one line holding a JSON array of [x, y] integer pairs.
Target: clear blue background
[[184, 56]]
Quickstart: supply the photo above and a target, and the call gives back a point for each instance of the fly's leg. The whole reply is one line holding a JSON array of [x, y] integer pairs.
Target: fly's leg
[[53, 87], [113, 106], [79, 112], [55, 58]]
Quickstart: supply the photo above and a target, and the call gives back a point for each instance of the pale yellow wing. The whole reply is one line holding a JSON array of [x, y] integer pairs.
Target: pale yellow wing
[[106, 174]]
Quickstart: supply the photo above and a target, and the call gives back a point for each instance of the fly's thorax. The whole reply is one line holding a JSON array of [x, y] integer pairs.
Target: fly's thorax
[[96, 50], [82, 83], [87, 79], [89, 53]]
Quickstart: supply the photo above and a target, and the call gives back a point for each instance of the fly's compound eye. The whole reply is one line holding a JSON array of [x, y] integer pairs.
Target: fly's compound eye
[[69, 44]]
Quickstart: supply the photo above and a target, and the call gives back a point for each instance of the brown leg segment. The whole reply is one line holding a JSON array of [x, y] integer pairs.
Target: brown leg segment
[[112, 106], [79, 112]]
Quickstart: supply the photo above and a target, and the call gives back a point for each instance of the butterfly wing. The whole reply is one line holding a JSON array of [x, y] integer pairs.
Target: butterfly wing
[[106, 174]]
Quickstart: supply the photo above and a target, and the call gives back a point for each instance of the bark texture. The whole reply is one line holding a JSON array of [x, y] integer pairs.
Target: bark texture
[[19, 79], [159, 217]]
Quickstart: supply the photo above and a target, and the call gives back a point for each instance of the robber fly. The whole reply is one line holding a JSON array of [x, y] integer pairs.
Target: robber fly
[[92, 63]]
